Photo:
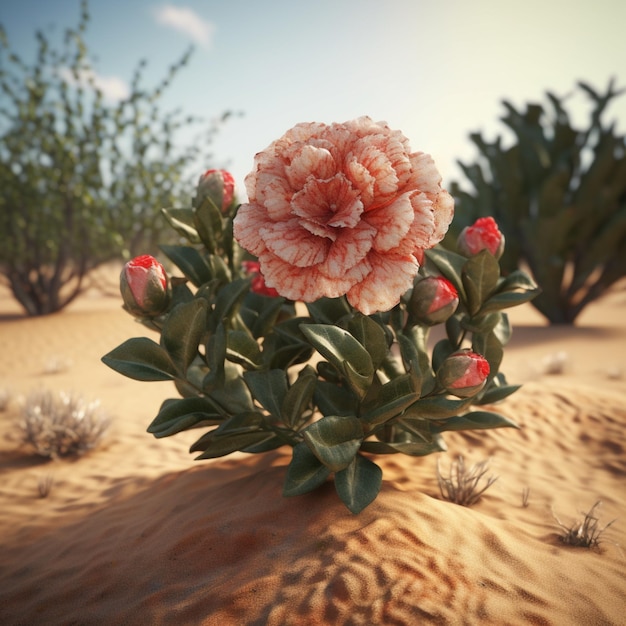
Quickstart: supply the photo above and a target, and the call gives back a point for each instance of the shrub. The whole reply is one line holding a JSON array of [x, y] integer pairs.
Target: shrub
[[80, 175], [61, 424], [558, 194], [462, 485], [584, 532]]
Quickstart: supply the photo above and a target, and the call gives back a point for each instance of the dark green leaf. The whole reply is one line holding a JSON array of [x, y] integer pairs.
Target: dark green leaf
[[182, 221], [334, 440], [141, 358], [480, 277], [371, 336], [182, 332], [476, 420], [436, 407], [298, 397], [190, 262], [243, 349], [269, 388], [304, 473], [216, 446], [450, 265], [508, 299], [359, 483], [389, 400], [178, 415]]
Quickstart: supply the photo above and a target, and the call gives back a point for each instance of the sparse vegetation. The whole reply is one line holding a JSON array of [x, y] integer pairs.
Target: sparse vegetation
[[462, 485], [5, 398], [525, 496], [61, 424], [45, 485], [585, 532]]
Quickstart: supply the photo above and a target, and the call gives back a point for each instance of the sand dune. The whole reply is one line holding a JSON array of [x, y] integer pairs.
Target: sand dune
[[135, 532]]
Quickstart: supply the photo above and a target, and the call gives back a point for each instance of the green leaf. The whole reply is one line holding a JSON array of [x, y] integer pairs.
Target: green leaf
[[495, 393], [508, 299], [490, 347], [182, 332], [298, 397], [216, 446], [410, 448], [141, 358], [389, 400], [450, 265], [229, 297], [371, 336], [337, 346], [208, 223], [269, 388], [182, 220], [358, 484], [190, 262], [415, 358], [178, 415], [480, 277], [333, 399], [436, 407], [334, 440], [305, 472], [328, 310], [476, 420], [243, 349]]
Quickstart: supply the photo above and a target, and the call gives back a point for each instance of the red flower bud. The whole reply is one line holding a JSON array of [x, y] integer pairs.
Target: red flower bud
[[463, 373], [433, 301], [258, 281], [145, 287], [482, 234], [219, 186]]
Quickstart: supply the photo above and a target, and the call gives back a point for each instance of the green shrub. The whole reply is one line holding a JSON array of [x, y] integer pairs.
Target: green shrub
[[558, 194], [80, 176]]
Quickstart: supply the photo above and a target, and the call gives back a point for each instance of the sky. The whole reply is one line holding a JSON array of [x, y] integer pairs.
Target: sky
[[437, 70]]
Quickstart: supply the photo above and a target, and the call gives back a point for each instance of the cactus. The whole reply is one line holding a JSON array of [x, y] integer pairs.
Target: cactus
[[558, 194]]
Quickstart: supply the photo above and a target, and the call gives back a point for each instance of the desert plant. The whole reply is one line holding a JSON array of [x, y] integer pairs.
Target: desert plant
[[5, 399], [463, 484], [585, 532], [329, 357], [44, 485], [77, 171], [61, 424], [558, 194]]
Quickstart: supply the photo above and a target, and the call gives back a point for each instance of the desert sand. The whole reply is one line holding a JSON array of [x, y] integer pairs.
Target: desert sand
[[136, 532]]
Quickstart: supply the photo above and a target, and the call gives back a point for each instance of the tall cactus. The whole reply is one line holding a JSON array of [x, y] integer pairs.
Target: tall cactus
[[559, 196]]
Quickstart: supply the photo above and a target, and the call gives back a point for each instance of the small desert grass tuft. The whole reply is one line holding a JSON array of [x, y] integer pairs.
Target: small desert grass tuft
[[61, 424], [44, 485], [584, 532], [462, 485], [525, 496], [5, 399]]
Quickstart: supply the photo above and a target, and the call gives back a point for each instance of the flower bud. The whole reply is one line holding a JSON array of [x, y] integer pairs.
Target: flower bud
[[433, 301], [463, 373], [145, 287], [482, 234], [219, 186], [258, 281]]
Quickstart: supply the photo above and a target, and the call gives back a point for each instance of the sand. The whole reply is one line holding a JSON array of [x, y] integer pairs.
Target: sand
[[136, 532]]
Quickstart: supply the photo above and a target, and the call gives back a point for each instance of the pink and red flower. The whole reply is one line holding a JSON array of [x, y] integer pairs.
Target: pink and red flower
[[219, 185], [145, 286], [342, 209], [483, 234]]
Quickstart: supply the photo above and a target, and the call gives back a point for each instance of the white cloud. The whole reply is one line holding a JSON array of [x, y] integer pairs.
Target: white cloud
[[113, 88], [186, 21]]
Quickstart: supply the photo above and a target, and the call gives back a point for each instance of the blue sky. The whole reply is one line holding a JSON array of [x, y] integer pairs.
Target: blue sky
[[435, 69]]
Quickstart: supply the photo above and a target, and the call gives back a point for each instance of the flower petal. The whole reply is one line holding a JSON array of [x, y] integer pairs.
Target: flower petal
[[248, 222], [309, 162], [293, 244], [391, 276], [392, 222], [350, 247]]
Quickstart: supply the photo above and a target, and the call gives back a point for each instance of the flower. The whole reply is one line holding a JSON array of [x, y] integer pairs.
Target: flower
[[482, 234], [342, 209], [463, 373], [433, 301], [258, 281], [219, 186], [145, 287]]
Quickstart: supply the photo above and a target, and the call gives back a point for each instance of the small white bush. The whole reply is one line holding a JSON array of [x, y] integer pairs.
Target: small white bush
[[61, 424]]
